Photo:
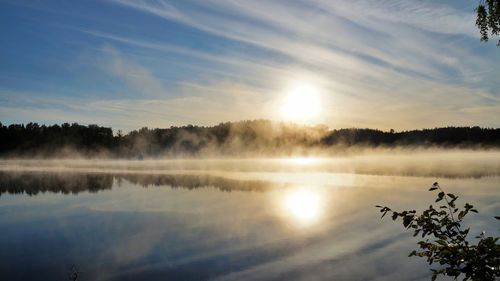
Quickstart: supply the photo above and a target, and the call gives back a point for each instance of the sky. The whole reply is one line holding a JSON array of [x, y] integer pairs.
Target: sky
[[127, 64]]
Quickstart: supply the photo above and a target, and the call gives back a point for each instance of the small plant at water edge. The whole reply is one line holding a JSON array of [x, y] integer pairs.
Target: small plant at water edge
[[445, 239]]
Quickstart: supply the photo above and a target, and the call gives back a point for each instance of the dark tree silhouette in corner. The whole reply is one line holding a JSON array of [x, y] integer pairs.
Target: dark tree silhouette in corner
[[488, 19]]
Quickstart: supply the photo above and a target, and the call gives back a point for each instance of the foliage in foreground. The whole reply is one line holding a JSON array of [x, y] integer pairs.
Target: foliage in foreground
[[488, 19], [446, 240]]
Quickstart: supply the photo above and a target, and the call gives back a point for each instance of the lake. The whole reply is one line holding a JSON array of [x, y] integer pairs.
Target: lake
[[231, 219]]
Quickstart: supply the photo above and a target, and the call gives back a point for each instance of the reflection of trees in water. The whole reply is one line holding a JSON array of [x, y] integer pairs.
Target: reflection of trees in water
[[198, 181], [32, 183]]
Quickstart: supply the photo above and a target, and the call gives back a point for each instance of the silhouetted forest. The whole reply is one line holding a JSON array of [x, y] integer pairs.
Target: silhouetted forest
[[230, 138]]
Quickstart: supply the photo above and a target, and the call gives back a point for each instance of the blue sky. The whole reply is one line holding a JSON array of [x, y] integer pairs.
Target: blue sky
[[128, 64]]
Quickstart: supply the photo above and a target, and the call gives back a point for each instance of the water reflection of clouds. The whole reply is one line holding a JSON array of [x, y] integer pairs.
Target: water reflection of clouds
[[184, 227]]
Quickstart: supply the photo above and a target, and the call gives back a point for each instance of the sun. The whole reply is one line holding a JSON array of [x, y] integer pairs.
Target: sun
[[301, 103]]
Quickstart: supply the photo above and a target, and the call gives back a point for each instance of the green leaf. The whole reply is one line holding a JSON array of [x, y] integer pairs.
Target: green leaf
[[394, 216], [442, 242], [406, 221], [440, 196], [461, 215]]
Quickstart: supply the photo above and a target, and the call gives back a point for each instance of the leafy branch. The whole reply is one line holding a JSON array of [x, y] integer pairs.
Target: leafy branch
[[488, 19], [446, 241]]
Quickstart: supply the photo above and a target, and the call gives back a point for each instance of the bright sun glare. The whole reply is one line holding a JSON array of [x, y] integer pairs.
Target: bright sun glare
[[301, 103], [304, 205], [301, 161]]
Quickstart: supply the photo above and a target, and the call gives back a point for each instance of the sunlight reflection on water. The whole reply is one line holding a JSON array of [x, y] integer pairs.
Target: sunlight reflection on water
[[251, 225], [303, 205]]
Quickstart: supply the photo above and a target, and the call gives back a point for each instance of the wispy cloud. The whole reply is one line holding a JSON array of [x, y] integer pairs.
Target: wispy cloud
[[386, 64], [132, 74], [334, 35]]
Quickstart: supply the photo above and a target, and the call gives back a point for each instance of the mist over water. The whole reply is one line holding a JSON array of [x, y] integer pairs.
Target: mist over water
[[399, 162], [299, 218]]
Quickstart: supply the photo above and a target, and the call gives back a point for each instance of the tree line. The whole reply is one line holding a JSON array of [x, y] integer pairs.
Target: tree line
[[230, 138]]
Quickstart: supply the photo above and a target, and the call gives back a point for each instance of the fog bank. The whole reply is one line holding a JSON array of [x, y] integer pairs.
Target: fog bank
[[423, 163]]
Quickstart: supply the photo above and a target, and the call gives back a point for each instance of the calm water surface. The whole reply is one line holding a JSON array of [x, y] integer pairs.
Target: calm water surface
[[197, 224]]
